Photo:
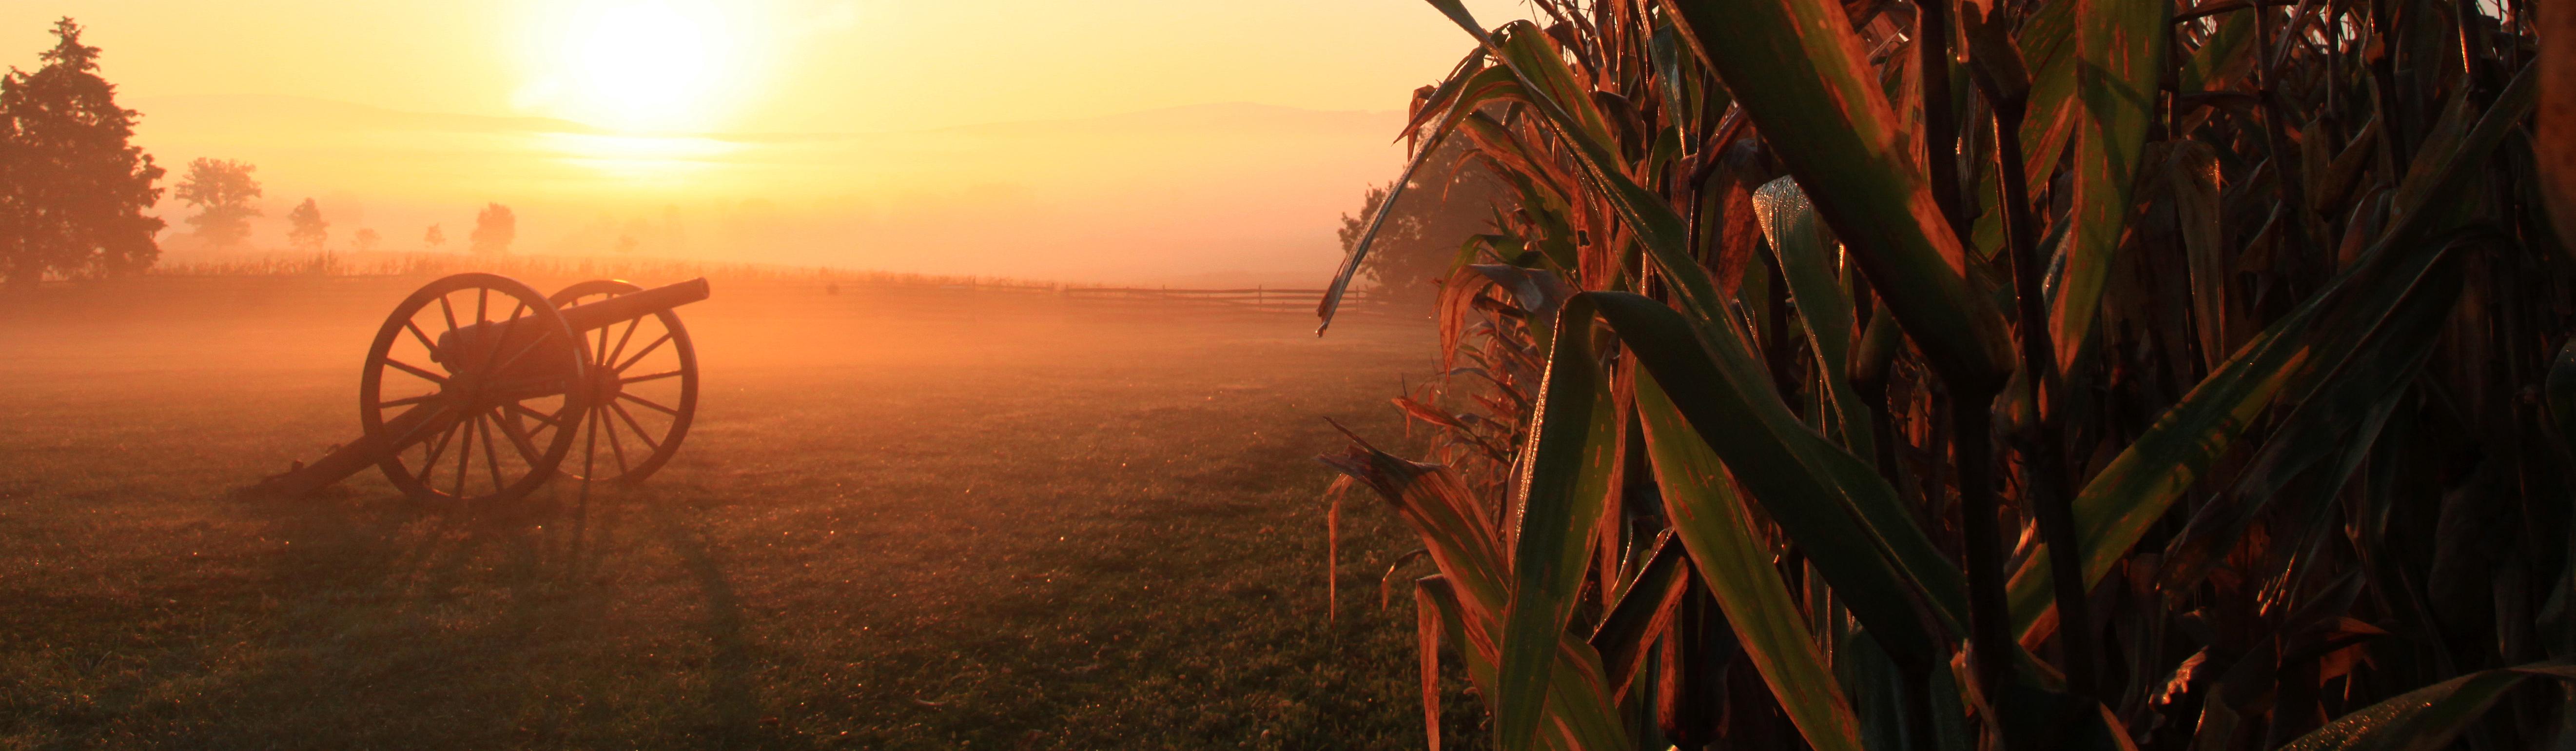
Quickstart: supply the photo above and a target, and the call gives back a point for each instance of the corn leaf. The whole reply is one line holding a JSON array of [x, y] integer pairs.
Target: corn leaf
[[1799, 72], [1807, 261], [2291, 356], [1713, 522], [2192, 172], [2121, 46], [2335, 429], [1798, 476], [1894, 564], [2427, 718], [1577, 708], [1566, 481]]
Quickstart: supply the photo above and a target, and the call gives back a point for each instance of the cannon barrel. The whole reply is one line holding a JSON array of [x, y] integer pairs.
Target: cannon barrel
[[585, 317], [635, 305]]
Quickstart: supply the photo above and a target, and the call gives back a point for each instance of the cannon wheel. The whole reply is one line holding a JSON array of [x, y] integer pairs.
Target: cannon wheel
[[644, 376], [437, 412]]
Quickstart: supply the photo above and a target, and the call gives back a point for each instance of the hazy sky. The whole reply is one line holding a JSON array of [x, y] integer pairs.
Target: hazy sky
[[821, 131]]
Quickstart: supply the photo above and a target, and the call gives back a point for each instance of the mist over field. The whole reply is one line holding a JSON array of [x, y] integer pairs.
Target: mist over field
[[1216, 194], [1582, 375]]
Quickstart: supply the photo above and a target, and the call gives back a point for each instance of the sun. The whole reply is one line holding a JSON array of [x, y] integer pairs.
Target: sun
[[638, 66]]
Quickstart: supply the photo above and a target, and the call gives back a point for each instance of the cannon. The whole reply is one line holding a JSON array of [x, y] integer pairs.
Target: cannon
[[516, 384]]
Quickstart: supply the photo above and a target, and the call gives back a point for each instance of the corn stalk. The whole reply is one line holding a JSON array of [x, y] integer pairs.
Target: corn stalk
[[2022, 375]]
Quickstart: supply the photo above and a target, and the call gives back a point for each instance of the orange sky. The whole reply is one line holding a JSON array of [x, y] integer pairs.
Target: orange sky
[[1111, 141]]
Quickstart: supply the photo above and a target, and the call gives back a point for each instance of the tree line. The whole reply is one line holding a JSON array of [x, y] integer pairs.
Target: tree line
[[74, 188]]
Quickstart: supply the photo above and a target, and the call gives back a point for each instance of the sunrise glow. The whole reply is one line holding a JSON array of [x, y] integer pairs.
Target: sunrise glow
[[640, 66]]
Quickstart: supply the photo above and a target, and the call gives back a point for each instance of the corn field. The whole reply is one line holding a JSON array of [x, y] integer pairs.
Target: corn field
[[2013, 374]]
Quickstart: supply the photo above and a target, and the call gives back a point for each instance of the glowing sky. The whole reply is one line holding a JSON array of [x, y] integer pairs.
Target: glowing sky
[[1129, 138]]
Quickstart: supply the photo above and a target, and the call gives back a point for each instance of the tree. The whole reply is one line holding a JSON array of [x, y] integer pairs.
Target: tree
[[72, 187], [306, 229], [221, 191], [1414, 250], [434, 237], [626, 244], [365, 239], [494, 228]]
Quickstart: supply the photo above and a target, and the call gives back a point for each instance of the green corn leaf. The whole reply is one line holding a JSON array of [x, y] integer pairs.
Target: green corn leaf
[[2291, 356], [2333, 429], [2192, 172], [1578, 711], [1901, 566], [1807, 260], [2561, 390], [2048, 48], [1644, 608], [1798, 71], [2047, 44], [2226, 54], [2425, 719], [2121, 48], [1566, 480], [1712, 521], [1800, 478]]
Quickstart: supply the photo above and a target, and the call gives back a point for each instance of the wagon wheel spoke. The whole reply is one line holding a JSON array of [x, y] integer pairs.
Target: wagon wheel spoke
[[447, 311], [491, 458], [518, 415], [424, 338], [648, 403], [640, 434], [599, 350], [589, 453], [416, 370], [518, 435], [408, 401], [541, 417], [429, 461], [614, 447], [653, 377], [432, 419], [622, 340], [464, 455], [648, 349]]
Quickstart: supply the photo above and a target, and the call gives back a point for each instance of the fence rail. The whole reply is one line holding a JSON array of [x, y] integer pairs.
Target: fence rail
[[1265, 299]]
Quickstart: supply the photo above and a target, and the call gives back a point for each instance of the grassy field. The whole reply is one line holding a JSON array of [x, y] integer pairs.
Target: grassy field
[[905, 519]]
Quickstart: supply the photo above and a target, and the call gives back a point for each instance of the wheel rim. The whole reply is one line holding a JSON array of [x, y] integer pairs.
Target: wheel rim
[[476, 412], [644, 378]]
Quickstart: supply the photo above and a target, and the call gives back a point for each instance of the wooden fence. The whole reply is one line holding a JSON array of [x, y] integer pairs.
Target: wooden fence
[[1257, 299]]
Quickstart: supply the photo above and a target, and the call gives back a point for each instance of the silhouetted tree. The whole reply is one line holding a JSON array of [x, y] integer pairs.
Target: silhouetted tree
[[494, 228], [433, 238], [72, 189], [221, 191], [306, 229], [365, 239], [1447, 203]]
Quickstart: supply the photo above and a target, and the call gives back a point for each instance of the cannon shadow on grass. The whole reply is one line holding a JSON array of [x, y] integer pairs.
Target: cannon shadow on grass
[[392, 626]]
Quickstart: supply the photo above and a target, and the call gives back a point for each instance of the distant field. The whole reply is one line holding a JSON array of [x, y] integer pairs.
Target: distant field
[[905, 519]]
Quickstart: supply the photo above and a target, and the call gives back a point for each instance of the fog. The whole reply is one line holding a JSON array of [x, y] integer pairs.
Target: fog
[[1212, 194]]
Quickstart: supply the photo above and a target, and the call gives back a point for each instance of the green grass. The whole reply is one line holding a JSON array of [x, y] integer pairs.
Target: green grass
[[916, 522]]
